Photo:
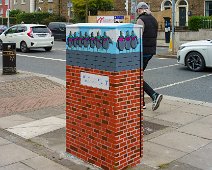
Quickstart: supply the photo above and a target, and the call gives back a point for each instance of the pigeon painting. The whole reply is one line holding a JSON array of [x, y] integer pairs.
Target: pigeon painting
[[92, 41], [86, 40], [80, 40], [128, 41], [98, 41], [106, 41], [134, 40], [70, 40], [121, 42], [75, 39]]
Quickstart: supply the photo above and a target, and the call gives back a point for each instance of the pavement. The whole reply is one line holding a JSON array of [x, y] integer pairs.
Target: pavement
[[178, 136]]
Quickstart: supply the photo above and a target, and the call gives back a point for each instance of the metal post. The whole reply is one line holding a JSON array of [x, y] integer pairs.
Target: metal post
[[173, 26], [8, 14], [86, 11]]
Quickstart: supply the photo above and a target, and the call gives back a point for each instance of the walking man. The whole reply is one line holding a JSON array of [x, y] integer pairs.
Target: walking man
[[150, 29]]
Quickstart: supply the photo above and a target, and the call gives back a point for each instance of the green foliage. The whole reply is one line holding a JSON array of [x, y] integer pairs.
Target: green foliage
[[15, 12], [197, 22], [3, 21], [79, 7], [38, 18]]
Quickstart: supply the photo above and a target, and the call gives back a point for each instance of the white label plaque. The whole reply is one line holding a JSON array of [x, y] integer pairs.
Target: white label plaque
[[96, 81]]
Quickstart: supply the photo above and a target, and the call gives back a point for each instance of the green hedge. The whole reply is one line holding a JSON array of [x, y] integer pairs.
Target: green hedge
[[33, 18], [198, 22]]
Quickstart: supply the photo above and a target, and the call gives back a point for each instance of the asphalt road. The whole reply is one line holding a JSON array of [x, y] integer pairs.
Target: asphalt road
[[164, 75]]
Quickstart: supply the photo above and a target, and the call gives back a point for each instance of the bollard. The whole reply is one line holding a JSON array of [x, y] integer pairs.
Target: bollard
[[9, 58], [104, 90]]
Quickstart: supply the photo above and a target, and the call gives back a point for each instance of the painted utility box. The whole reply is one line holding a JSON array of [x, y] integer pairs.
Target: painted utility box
[[104, 81]]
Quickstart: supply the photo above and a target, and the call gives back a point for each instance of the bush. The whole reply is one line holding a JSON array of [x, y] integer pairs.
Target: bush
[[39, 18], [197, 22]]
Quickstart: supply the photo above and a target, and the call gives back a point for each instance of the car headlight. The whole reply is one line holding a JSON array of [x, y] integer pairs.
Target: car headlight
[[181, 47]]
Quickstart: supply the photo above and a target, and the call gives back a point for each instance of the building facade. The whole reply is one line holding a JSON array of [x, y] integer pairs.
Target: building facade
[[58, 7], [4, 6], [23, 5], [183, 8]]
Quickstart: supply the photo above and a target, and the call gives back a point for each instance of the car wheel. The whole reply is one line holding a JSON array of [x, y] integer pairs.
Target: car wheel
[[1, 44], [48, 48], [195, 61], [24, 47]]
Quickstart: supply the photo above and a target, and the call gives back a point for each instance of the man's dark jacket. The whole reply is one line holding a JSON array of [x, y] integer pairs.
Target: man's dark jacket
[[149, 34]]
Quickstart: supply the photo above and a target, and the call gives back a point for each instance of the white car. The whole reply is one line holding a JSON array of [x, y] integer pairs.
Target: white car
[[196, 55], [28, 36]]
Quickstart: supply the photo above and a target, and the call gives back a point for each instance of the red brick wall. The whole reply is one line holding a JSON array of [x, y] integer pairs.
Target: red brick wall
[[103, 126]]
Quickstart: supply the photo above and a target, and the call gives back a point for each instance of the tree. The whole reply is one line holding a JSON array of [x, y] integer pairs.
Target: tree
[[79, 7]]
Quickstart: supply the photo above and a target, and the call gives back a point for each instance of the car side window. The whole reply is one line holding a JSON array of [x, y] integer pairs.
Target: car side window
[[62, 27], [21, 29], [12, 30]]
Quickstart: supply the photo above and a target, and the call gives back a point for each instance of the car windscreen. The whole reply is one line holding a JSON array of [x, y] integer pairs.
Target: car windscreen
[[40, 29]]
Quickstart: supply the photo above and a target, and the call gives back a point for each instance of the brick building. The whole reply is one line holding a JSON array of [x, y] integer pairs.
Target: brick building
[[183, 8], [4, 5], [57, 6]]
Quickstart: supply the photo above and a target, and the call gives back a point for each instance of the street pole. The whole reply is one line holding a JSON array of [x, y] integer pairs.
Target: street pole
[[173, 26], [86, 11], [8, 14]]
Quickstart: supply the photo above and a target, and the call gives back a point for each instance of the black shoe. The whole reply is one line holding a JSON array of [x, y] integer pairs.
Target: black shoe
[[156, 101], [144, 106]]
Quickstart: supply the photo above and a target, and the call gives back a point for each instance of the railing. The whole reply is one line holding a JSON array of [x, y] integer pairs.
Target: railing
[[207, 24], [161, 26]]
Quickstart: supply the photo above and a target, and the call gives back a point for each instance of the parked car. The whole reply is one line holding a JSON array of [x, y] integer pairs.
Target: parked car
[[2, 28], [58, 30], [27, 36], [196, 55]]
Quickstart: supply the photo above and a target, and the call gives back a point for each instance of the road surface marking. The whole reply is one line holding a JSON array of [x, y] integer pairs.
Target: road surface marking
[[182, 82], [53, 59], [157, 68]]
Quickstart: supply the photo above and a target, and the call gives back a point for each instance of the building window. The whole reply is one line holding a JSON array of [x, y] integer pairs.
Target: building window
[[23, 1], [167, 5], [40, 1], [182, 2], [15, 2], [208, 8], [50, 11], [0, 2], [6, 2]]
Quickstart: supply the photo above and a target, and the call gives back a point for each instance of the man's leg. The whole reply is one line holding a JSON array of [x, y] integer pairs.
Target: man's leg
[[156, 98]]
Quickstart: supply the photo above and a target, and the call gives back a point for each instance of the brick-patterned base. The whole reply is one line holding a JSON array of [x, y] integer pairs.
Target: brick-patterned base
[[103, 126]]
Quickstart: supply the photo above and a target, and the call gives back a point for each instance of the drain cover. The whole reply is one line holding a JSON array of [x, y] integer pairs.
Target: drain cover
[[150, 127]]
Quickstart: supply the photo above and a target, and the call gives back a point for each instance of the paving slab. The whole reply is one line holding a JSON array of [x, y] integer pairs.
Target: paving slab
[[156, 155], [43, 113], [197, 109], [181, 141], [178, 166], [179, 117], [41, 163], [16, 166], [201, 128], [62, 116], [142, 167], [13, 120], [55, 140], [12, 153], [38, 127], [201, 159], [4, 141]]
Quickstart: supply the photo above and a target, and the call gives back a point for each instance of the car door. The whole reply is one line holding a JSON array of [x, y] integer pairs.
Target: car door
[[54, 29], [62, 31], [10, 35], [20, 35], [209, 57]]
